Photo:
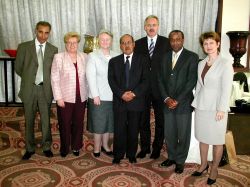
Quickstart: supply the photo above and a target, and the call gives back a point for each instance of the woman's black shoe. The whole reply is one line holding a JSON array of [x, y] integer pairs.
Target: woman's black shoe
[[197, 173], [76, 153], [97, 154], [106, 152], [211, 181]]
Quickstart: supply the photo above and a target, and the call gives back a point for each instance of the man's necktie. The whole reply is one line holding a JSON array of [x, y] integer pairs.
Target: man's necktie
[[174, 60], [151, 48], [39, 73], [127, 71]]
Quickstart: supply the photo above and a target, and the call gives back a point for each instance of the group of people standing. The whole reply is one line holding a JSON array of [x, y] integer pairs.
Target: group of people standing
[[120, 90]]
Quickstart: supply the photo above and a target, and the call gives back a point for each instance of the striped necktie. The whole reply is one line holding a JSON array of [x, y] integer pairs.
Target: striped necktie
[[39, 73], [151, 48]]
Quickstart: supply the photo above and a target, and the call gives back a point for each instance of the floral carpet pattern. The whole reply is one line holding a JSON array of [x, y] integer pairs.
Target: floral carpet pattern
[[86, 170]]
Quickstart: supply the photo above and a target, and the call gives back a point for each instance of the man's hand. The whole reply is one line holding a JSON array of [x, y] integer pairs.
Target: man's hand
[[171, 103], [128, 96]]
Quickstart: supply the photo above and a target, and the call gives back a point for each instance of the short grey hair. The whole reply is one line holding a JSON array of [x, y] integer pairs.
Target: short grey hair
[[105, 31], [149, 17]]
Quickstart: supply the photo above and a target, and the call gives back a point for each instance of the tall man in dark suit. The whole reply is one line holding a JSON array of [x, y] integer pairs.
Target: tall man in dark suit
[[177, 79], [153, 46], [33, 65], [127, 76]]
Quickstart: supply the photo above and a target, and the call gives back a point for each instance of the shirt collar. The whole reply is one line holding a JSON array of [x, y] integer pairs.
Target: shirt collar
[[178, 53], [154, 39], [37, 43], [130, 57]]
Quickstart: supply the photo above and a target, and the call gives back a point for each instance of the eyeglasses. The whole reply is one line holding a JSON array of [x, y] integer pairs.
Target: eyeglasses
[[72, 43], [127, 43], [151, 25]]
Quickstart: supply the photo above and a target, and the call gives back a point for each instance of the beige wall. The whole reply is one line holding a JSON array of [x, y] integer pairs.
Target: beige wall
[[235, 17]]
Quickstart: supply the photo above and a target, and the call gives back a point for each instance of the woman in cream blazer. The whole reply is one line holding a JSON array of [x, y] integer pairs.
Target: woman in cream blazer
[[211, 103], [100, 109]]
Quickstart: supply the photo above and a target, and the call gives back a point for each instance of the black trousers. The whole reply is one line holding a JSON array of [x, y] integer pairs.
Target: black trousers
[[126, 129], [70, 120], [145, 132]]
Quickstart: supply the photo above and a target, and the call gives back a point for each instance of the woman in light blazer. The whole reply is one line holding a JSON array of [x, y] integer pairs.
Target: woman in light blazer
[[69, 86], [211, 103], [100, 109]]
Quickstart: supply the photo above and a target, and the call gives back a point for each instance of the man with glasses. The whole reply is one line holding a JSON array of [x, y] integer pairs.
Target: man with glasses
[[128, 79]]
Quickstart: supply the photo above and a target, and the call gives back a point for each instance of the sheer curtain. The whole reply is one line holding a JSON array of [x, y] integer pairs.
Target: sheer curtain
[[18, 19]]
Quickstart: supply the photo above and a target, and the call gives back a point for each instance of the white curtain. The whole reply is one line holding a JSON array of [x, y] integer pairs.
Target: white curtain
[[19, 17]]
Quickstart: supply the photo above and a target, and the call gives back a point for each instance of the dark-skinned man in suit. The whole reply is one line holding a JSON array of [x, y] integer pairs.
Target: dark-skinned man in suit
[[153, 46], [33, 64], [128, 79], [177, 79]]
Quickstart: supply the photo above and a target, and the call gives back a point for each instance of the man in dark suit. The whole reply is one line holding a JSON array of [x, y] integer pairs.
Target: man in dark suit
[[33, 65], [127, 76], [153, 46], [177, 80]]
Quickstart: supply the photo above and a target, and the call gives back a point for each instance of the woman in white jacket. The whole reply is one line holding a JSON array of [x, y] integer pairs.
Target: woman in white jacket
[[100, 109], [211, 103]]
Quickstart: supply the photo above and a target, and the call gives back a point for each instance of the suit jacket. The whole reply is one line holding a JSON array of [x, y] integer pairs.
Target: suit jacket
[[97, 75], [63, 77], [162, 46], [138, 82], [214, 94], [179, 82], [26, 65]]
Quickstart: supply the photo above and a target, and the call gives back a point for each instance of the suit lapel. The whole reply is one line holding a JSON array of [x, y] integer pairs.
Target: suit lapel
[[180, 60], [169, 61], [47, 53], [157, 44], [133, 65], [145, 45], [32, 49]]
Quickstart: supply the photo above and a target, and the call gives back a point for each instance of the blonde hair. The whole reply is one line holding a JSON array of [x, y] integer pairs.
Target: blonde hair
[[69, 35]]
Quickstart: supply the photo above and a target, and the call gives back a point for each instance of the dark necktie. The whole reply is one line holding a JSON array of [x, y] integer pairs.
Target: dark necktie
[[151, 48], [127, 71]]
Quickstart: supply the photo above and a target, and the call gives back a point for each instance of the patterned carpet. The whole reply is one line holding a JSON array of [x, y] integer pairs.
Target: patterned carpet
[[86, 170]]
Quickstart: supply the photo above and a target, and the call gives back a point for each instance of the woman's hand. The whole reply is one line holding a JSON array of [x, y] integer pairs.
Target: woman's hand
[[97, 101], [219, 115], [60, 103]]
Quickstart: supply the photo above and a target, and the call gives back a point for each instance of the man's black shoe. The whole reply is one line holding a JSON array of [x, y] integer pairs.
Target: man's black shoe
[[27, 155], [167, 163], [63, 154], [155, 154], [142, 154], [116, 161], [132, 160], [48, 153], [179, 168]]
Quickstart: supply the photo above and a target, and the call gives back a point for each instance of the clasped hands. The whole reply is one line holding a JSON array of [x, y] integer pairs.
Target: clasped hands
[[171, 103], [128, 96]]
